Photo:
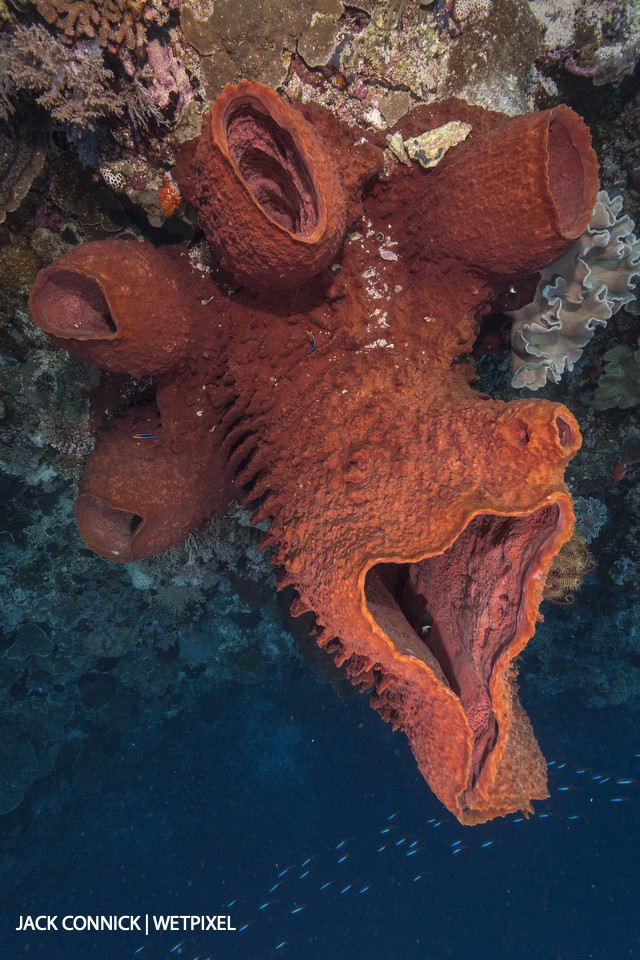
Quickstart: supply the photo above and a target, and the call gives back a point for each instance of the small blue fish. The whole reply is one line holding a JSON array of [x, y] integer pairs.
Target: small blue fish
[[282, 944], [626, 783], [267, 903], [392, 817], [417, 877], [139, 950], [274, 888], [298, 909], [400, 842], [410, 853], [364, 890], [282, 872], [327, 884], [487, 843], [230, 904], [303, 875], [383, 847], [341, 844], [342, 859], [308, 860], [178, 945], [386, 830], [245, 926], [344, 889]]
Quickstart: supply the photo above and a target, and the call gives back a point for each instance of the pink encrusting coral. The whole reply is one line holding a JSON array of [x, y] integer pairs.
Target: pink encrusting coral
[[170, 88]]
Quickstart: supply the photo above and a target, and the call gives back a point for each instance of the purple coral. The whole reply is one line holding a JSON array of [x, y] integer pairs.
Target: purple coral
[[170, 88]]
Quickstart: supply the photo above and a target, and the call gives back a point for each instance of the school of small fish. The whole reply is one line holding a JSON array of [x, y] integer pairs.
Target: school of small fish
[[334, 873]]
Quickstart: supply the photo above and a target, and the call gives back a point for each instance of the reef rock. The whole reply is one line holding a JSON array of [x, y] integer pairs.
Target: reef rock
[[256, 39]]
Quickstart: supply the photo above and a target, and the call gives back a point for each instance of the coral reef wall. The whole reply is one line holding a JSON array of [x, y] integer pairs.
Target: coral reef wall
[[96, 101]]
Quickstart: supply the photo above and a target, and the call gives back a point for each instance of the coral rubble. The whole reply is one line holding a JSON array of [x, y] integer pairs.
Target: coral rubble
[[595, 39], [414, 517]]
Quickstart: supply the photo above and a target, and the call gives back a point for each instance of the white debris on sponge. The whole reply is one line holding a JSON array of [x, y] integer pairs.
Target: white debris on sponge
[[379, 343], [430, 147]]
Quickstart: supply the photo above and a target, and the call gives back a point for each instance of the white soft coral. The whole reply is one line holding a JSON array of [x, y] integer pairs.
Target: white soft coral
[[576, 294]]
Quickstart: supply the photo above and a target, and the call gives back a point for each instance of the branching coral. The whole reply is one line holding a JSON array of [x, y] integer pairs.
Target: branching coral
[[576, 293], [113, 23], [73, 85]]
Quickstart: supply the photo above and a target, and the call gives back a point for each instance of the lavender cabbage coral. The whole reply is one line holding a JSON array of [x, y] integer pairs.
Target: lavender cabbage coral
[[576, 294]]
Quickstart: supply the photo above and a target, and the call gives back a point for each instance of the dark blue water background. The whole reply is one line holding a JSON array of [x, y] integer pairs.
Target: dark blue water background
[[211, 806]]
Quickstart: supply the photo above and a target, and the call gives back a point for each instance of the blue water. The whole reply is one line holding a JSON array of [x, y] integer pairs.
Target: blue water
[[222, 804]]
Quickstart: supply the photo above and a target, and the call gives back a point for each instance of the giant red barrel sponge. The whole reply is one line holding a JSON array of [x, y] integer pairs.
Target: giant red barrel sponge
[[151, 480], [270, 198], [416, 518], [154, 475], [512, 197], [92, 298]]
